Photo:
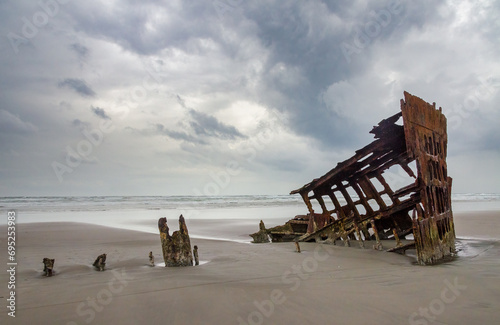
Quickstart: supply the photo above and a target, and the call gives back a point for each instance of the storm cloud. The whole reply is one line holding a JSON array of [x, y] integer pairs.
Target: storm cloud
[[78, 85], [100, 112], [177, 89]]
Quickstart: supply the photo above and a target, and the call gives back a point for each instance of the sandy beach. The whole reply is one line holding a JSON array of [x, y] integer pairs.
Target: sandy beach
[[240, 283]]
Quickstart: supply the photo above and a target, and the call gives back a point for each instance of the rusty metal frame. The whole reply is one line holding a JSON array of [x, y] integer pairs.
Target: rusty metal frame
[[422, 208]]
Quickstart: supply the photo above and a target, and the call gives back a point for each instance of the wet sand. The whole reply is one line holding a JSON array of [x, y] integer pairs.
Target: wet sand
[[249, 283]]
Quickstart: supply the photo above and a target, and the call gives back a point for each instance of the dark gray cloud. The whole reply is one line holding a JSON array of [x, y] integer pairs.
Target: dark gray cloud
[[80, 124], [100, 112], [303, 42], [81, 50], [199, 128], [206, 125], [150, 26], [203, 125], [308, 38], [177, 135], [78, 85]]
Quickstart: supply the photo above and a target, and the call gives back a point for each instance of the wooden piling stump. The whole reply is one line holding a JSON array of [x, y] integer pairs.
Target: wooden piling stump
[[100, 262], [48, 266]]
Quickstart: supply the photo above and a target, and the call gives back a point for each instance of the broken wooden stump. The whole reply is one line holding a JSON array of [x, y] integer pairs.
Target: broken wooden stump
[[151, 259], [48, 266], [195, 254], [176, 248], [261, 236], [297, 247], [100, 262]]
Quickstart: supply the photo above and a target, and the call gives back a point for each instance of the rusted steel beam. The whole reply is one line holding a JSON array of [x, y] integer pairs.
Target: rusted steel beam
[[368, 189], [364, 230], [319, 198], [387, 188], [362, 199], [338, 207], [367, 186], [412, 188], [378, 245], [396, 237], [348, 199], [360, 240], [426, 141], [305, 197]]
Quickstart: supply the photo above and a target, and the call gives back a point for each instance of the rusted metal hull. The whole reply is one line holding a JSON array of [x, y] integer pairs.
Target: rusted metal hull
[[357, 203]]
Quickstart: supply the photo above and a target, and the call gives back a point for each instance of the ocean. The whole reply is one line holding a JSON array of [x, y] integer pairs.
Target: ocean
[[214, 217]]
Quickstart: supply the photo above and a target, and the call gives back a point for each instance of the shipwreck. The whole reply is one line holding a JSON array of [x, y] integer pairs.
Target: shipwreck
[[354, 201]]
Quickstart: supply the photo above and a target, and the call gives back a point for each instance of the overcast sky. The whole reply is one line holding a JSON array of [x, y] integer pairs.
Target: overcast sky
[[231, 96]]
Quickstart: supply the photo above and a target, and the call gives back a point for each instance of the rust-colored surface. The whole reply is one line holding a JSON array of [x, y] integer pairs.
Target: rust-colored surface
[[176, 249], [100, 262], [261, 236], [48, 266], [355, 202]]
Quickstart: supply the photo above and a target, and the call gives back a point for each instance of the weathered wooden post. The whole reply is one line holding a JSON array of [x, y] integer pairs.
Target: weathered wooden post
[[195, 254], [100, 262], [176, 248], [151, 259], [48, 266]]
